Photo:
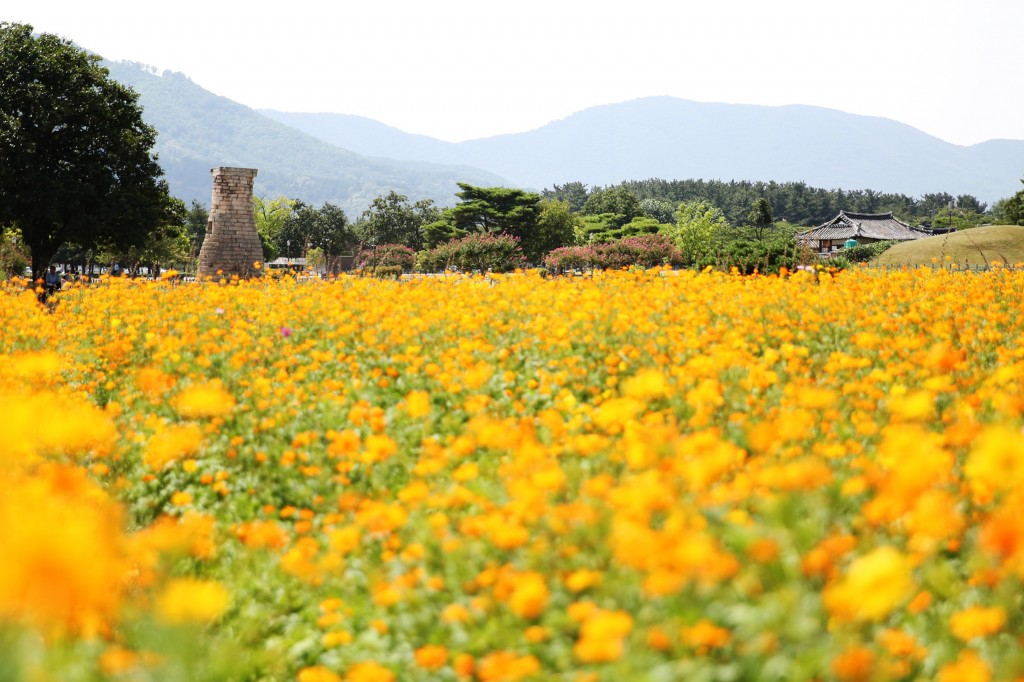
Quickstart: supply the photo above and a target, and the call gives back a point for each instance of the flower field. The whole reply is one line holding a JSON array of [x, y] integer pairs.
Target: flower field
[[638, 476]]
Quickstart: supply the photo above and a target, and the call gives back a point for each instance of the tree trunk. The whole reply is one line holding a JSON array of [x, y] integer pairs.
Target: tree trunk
[[41, 255]]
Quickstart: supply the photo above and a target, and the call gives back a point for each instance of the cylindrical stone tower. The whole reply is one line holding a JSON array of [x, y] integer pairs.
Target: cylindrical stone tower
[[232, 245]]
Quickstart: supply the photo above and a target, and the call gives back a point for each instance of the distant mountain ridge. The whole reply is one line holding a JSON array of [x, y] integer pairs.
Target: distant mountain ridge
[[198, 130], [349, 160], [671, 138]]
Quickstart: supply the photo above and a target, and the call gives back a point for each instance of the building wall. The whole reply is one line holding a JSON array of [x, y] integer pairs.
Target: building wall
[[232, 245]]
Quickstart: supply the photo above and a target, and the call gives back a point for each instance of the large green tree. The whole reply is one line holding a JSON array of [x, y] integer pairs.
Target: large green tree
[[76, 160], [271, 216], [575, 193], [556, 227], [697, 225], [325, 229], [392, 219], [493, 210], [1011, 210], [614, 200]]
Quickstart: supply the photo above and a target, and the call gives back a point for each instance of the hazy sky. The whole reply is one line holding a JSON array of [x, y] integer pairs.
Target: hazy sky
[[462, 69]]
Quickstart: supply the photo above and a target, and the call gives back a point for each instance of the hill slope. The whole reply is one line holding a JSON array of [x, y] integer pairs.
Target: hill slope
[[198, 130], [977, 246], [671, 138]]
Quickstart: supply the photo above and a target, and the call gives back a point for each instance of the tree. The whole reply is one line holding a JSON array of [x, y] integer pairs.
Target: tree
[[495, 210], [325, 228], [575, 193], [491, 210], [333, 234], [615, 200], [760, 217], [697, 224], [1012, 209], [659, 209], [197, 219], [75, 155], [556, 226], [271, 217], [392, 219]]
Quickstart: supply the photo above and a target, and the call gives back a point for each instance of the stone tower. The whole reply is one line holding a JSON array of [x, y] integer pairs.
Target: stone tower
[[232, 244]]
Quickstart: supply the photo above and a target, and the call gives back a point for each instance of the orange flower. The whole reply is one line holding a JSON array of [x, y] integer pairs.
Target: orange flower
[[854, 665], [369, 671], [602, 636], [705, 635], [431, 656], [529, 597], [968, 667], [318, 673], [977, 622]]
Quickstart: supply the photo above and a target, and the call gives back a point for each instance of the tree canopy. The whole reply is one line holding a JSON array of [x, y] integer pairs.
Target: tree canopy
[[76, 161], [1012, 209], [501, 210], [391, 219], [325, 229]]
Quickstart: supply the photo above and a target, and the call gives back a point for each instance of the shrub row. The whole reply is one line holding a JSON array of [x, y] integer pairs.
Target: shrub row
[[646, 251], [476, 252]]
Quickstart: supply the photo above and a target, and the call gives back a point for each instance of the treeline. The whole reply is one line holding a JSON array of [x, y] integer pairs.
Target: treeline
[[794, 202]]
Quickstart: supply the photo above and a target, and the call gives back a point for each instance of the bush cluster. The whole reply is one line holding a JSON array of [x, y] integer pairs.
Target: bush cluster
[[476, 252], [387, 255], [865, 252], [645, 251]]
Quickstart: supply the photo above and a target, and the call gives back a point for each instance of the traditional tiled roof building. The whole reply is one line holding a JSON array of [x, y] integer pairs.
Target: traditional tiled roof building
[[863, 228]]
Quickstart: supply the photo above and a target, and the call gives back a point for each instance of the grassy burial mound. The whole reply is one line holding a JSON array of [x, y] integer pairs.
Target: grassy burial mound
[[977, 246]]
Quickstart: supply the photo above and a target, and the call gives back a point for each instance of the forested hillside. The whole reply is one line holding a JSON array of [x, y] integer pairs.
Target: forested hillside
[[795, 202], [198, 130]]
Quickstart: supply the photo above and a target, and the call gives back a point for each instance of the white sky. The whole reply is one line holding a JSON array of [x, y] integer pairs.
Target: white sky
[[463, 69]]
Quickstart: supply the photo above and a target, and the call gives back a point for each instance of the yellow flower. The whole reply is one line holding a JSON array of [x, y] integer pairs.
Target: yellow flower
[[647, 384], [977, 622], [188, 600], [173, 443], [49, 423], [417, 404], [602, 636], [208, 399], [64, 553], [529, 597], [996, 460], [872, 588], [968, 667]]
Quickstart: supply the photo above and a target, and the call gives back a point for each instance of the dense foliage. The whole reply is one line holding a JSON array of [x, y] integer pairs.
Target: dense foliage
[[645, 251], [794, 202], [480, 252], [387, 255], [77, 162], [1012, 209]]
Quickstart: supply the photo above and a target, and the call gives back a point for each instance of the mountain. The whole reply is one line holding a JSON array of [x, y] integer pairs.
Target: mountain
[[198, 130], [671, 138]]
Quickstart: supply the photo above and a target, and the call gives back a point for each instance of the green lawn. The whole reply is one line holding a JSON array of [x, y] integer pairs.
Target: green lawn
[[977, 246]]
